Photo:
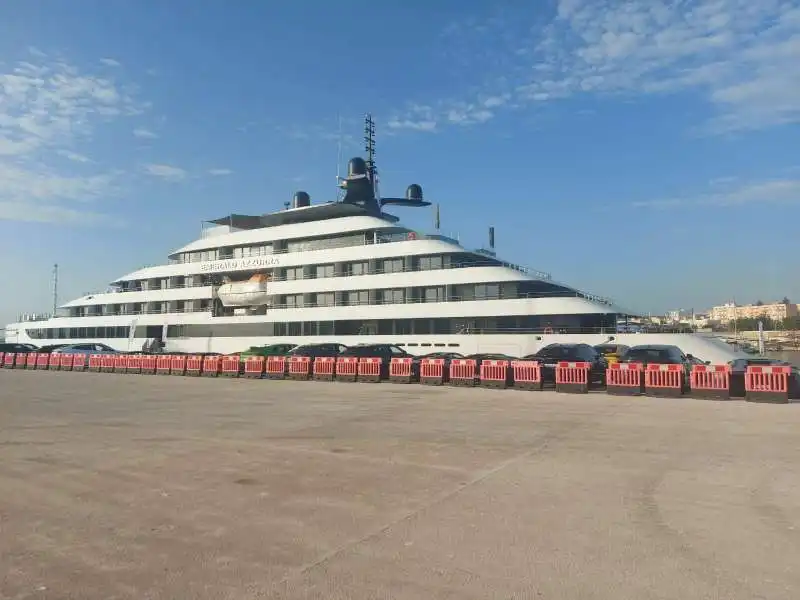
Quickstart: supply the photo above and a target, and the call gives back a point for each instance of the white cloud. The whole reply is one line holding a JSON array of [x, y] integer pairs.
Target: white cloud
[[166, 172], [219, 172], [144, 134], [110, 62], [775, 191], [48, 110], [738, 56]]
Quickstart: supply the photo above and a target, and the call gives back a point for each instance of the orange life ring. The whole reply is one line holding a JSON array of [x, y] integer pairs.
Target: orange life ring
[[412, 235]]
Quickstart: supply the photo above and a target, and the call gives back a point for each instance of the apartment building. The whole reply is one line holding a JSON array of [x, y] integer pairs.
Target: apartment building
[[730, 311]]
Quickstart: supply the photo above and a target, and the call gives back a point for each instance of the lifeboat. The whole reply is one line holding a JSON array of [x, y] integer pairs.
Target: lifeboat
[[252, 292]]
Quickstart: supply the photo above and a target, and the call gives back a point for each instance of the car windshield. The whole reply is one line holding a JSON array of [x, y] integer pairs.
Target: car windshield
[[563, 352], [652, 355]]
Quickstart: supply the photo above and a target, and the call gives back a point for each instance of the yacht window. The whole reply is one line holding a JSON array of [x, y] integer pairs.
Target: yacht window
[[359, 268], [294, 301], [355, 298], [434, 294], [487, 291], [294, 273], [392, 265], [325, 299], [427, 263], [392, 296], [321, 271]]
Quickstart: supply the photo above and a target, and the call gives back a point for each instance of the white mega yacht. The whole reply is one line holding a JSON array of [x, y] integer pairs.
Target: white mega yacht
[[343, 271]]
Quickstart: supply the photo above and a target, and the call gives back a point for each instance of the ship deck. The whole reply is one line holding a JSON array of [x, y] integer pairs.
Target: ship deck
[[158, 487]]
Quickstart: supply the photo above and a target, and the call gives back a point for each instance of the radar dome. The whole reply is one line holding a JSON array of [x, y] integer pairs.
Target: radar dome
[[414, 192], [356, 167], [300, 200]]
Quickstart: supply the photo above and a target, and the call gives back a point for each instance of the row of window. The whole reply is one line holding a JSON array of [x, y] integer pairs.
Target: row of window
[[591, 323]]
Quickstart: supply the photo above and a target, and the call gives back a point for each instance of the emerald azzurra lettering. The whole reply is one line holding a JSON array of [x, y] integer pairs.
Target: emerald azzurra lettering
[[240, 263]]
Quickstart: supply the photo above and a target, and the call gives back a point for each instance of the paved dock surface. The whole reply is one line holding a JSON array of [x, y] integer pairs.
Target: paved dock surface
[[146, 487]]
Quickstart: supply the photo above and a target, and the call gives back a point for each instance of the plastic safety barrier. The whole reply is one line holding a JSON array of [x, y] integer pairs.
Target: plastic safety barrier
[[107, 363], [67, 361], [2, 358], [163, 364], [95, 362], [133, 363], [767, 383], [211, 366], [369, 369], [275, 367], [79, 361], [401, 370], [42, 361], [346, 368], [8, 360], [54, 362], [663, 380], [462, 372], [573, 377], [527, 374], [254, 367], [710, 381], [194, 365], [230, 365], [30, 363], [120, 363], [324, 368], [300, 367], [177, 365], [21, 361], [431, 371], [149, 364], [495, 374], [625, 379]]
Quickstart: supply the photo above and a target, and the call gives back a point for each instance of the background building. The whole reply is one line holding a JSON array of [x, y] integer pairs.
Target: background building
[[777, 311]]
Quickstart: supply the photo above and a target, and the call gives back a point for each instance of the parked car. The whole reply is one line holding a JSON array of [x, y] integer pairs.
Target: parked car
[[447, 356], [50, 348], [551, 355], [386, 352], [663, 354], [87, 348], [269, 350], [739, 366], [315, 350], [13, 348]]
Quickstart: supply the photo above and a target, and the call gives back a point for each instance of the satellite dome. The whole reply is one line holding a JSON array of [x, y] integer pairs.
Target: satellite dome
[[301, 199], [414, 192], [357, 166]]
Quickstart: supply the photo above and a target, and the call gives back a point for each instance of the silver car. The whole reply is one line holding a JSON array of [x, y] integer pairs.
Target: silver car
[[87, 348]]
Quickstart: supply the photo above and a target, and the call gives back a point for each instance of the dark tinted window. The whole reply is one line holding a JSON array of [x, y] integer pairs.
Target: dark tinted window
[[653, 355]]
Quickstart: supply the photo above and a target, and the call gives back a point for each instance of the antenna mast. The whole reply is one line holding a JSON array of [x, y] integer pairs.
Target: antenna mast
[[369, 147], [339, 190], [55, 288]]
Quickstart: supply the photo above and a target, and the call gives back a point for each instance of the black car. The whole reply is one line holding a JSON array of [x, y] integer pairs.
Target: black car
[[10, 348], [325, 350], [386, 352], [662, 354], [549, 356], [739, 367]]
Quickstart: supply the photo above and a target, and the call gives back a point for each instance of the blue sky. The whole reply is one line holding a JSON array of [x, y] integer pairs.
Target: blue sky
[[646, 151]]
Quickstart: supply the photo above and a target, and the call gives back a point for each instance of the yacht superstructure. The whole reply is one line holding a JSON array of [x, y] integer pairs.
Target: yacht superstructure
[[343, 271]]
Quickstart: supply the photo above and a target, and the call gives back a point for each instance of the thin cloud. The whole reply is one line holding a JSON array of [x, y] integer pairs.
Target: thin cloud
[[219, 172], [48, 110], [166, 172], [739, 56], [775, 191], [110, 62], [144, 134]]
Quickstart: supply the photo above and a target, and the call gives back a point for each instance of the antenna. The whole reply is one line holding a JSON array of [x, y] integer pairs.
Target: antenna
[[339, 190], [369, 148], [55, 288], [437, 223]]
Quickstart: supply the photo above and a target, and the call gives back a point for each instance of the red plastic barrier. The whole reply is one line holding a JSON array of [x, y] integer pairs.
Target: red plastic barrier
[[133, 363], [177, 364], [527, 374], [163, 364], [663, 380], [401, 370], [625, 379], [78, 361], [2, 358], [107, 362], [120, 363], [431, 371], [254, 367], [346, 368], [22, 360], [194, 365], [8, 360], [149, 364], [369, 369], [276, 367], [299, 367], [66, 361], [572, 377], [767, 383], [211, 366], [324, 368], [42, 360], [53, 362], [710, 381], [462, 371], [495, 373], [231, 365], [95, 362]]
